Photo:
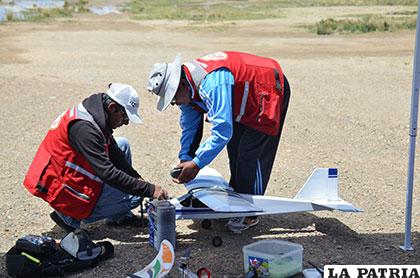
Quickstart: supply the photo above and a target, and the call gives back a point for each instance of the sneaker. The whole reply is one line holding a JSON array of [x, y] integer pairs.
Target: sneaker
[[129, 221], [239, 224], [60, 222]]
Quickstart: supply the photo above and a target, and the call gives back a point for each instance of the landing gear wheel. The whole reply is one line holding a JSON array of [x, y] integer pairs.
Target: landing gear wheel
[[206, 224], [217, 241]]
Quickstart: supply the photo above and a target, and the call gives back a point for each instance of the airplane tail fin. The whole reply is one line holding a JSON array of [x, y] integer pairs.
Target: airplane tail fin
[[321, 189]]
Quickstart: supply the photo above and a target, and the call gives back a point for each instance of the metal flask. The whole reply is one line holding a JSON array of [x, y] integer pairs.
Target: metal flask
[[161, 223]]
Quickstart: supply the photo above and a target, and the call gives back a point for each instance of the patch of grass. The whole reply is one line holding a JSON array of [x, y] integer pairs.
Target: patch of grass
[[306, 3], [58, 12], [200, 10], [364, 24], [212, 27], [80, 6], [9, 16], [403, 13], [203, 10], [39, 14]]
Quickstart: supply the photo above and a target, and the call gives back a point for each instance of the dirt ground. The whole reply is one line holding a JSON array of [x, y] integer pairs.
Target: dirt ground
[[349, 109]]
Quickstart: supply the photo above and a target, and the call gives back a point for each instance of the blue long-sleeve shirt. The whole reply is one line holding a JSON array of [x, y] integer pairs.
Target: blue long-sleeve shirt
[[216, 92]]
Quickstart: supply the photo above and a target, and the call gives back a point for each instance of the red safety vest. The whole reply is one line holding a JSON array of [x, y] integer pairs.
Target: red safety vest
[[60, 175], [259, 87]]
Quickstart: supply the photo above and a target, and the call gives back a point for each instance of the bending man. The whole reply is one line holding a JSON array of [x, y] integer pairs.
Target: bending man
[[245, 98]]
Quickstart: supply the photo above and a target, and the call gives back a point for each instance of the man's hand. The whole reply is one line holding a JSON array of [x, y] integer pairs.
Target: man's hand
[[189, 171], [160, 193]]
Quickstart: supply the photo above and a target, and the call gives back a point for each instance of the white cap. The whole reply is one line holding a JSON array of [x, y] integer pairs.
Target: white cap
[[126, 96], [164, 80]]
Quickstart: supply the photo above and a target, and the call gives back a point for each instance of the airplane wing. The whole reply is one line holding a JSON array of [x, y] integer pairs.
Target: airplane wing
[[224, 200]]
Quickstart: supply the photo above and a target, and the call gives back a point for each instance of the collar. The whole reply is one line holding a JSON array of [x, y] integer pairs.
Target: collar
[[188, 77], [94, 105]]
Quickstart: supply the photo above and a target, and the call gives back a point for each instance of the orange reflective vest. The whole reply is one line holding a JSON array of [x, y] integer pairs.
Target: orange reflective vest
[[60, 175], [259, 87]]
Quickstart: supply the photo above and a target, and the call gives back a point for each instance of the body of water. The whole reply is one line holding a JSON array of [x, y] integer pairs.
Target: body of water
[[20, 9]]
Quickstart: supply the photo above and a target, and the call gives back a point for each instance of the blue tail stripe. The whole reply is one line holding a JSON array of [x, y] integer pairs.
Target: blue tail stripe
[[332, 172]]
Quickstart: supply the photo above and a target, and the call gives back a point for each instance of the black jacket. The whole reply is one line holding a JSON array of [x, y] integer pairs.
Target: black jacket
[[113, 170]]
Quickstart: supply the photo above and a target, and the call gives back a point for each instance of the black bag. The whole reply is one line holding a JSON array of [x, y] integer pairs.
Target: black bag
[[41, 256]]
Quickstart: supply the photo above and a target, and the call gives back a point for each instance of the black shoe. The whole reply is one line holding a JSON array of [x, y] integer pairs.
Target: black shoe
[[129, 221], [57, 219]]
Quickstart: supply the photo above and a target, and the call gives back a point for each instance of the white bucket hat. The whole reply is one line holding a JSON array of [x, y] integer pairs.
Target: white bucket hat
[[126, 96], [164, 81]]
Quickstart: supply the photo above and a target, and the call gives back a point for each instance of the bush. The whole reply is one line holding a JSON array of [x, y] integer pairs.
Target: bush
[[9, 16], [365, 24]]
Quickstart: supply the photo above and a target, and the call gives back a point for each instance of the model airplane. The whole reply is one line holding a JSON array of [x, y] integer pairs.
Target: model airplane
[[210, 197]]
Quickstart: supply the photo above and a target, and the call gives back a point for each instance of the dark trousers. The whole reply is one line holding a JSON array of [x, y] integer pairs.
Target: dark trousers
[[252, 153]]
